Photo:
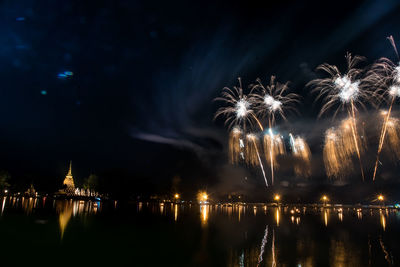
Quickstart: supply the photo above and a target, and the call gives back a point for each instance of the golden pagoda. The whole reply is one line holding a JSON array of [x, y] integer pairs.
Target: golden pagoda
[[69, 180]]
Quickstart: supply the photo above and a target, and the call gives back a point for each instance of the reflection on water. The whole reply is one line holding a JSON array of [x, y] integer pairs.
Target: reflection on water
[[231, 234], [204, 210], [383, 219]]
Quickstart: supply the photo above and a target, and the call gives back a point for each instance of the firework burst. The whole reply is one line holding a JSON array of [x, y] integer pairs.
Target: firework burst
[[273, 100], [238, 111], [344, 91]]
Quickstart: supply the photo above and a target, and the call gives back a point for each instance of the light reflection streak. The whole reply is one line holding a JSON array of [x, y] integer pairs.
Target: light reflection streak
[[326, 217], [204, 214], [176, 212], [340, 214], [383, 219], [277, 216], [3, 205]]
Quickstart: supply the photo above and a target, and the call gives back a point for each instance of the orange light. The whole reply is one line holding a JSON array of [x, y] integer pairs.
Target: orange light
[[277, 197], [381, 198], [177, 196]]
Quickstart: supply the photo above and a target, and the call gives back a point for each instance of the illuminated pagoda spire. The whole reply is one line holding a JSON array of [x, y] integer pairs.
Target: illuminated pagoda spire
[[69, 179]]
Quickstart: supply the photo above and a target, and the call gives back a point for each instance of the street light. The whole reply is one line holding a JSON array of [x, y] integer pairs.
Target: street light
[[381, 198], [277, 197], [324, 199]]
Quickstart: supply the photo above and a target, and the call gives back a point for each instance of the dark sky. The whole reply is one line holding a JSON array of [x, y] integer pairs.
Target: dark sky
[[145, 74]]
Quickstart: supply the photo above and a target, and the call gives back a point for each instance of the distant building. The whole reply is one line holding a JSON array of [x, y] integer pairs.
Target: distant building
[[69, 185]]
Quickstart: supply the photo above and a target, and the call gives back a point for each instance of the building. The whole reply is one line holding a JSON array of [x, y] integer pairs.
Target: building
[[69, 185]]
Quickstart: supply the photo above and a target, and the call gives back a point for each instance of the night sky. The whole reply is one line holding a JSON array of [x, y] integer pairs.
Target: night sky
[[125, 89]]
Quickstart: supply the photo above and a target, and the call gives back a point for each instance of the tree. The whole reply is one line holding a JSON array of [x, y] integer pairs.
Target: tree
[[91, 183], [4, 178]]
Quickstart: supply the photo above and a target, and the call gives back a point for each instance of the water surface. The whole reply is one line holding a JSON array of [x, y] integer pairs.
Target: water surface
[[46, 232]]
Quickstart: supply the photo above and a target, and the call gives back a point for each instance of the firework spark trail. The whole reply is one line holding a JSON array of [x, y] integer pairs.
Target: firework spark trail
[[302, 152], [344, 91], [270, 101], [273, 146], [252, 154], [382, 138], [235, 145], [263, 243], [336, 159], [354, 131]]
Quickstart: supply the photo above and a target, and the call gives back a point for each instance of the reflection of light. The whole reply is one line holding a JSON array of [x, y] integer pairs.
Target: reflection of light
[[204, 213], [240, 211], [292, 219], [326, 217], [255, 210], [161, 207], [65, 209], [176, 211], [359, 214], [340, 214], [2, 206], [297, 220], [277, 216], [383, 220]]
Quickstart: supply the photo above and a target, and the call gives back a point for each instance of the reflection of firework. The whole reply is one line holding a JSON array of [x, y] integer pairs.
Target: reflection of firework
[[263, 243], [235, 145], [302, 153], [345, 92]]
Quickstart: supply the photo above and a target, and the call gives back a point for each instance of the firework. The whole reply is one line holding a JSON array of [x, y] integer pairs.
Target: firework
[[385, 75], [238, 110], [302, 152], [393, 140], [236, 145], [273, 146], [337, 161], [272, 101], [347, 137], [252, 154], [344, 91]]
